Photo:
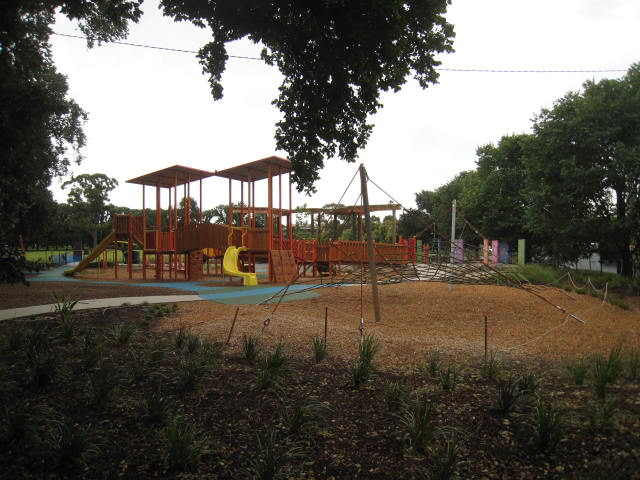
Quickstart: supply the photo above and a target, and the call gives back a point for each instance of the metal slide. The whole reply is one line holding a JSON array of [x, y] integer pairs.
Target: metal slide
[[230, 266]]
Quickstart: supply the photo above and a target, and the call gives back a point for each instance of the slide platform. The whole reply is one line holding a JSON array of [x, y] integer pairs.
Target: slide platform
[[230, 266]]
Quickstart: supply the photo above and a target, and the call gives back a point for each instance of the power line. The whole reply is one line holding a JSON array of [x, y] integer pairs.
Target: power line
[[141, 45], [472, 70]]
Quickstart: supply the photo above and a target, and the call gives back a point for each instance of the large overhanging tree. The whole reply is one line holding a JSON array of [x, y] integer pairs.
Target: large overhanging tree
[[336, 57]]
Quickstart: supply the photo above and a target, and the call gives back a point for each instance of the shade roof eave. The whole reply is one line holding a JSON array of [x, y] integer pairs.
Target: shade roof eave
[[172, 176], [256, 170]]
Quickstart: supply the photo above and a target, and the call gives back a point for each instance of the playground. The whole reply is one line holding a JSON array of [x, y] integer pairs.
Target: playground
[[223, 370]]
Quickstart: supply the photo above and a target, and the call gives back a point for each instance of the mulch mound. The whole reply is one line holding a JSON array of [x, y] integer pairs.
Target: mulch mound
[[417, 317]]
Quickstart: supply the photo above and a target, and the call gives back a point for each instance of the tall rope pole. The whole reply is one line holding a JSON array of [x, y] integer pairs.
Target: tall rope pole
[[454, 208], [373, 274]]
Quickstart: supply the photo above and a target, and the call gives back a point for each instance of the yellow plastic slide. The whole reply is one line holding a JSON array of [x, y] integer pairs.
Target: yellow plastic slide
[[230, 266]]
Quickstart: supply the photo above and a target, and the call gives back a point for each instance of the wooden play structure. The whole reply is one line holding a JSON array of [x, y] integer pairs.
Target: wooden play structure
[[177, 243]]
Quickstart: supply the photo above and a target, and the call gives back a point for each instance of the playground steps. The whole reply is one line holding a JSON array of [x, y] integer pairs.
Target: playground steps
[[93, 254], [283, 265]]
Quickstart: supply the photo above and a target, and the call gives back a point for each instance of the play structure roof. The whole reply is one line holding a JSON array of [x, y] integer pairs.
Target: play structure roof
[[171, 176], [257, 170], [355, 209]]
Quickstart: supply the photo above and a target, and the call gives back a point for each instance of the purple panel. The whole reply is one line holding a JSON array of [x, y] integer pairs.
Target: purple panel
[[495, 251], [458, 251]]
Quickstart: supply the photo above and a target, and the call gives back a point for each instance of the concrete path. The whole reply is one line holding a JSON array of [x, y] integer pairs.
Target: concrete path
[[97, 303]]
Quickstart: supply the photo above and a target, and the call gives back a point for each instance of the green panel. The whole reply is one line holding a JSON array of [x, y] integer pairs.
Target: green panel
[[521, 251]]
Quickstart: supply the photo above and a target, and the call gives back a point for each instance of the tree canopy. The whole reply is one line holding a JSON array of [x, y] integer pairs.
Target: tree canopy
[[40, 126], [572, 186], [336, 57]]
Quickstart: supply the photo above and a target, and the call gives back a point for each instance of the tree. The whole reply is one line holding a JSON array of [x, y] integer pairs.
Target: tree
[[40, 127], [495, 201], [584, 171], [89, 200], [336, 57]]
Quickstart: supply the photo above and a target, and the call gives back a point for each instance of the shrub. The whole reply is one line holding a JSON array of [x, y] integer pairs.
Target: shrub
[[320, 350], [180, 338]]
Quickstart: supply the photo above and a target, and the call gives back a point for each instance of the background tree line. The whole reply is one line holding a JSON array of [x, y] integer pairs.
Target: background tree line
[[571, 187]]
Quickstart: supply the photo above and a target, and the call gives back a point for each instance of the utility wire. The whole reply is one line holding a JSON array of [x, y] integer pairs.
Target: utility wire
[[140, 45], [441, 69]]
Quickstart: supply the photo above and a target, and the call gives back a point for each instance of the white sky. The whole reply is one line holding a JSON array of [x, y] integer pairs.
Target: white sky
[[150, 109]]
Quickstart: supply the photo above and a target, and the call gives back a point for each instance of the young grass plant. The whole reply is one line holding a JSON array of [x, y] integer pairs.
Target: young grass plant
[[64, 306], [191, 372], [103, 384], [92, 350], [120, 333], [273, 367], [250, 348], [445, 459], [418, 420], [320, 350], [270, 456], [364, 367], [527, 384], [633, 364], [449, 379], [431, 366], [73, 447], [491, 367], [305, 414], [546, 426], [182, 448], [395, 394], [602, 416], [157, 406], [15, 336], [507, 394], [41, 358], [577, 370], [606, 370]]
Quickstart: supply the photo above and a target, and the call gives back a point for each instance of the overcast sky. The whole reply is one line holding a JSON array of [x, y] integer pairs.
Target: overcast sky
[[150, 109]]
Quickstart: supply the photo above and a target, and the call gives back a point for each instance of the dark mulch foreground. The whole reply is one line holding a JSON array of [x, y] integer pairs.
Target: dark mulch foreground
[[67, 422]]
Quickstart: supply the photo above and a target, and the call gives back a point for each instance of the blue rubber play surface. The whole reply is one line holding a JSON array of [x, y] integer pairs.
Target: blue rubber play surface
[[220, 294]]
